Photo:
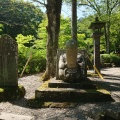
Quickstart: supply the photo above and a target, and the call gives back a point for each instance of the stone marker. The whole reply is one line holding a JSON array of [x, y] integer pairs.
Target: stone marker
[[8, 62], [71, 53]]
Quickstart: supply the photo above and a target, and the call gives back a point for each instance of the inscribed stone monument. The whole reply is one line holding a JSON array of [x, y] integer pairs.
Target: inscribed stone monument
[[8, 62]]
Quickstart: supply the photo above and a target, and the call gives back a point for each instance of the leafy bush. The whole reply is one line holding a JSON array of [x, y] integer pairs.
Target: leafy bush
[[111, 58], [1, 29], [105, 58], [115, 59], [37, 62]]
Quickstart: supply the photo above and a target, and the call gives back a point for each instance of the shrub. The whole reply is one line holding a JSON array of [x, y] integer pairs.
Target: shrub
[[36, 64], [111, 58], [28, 45], [114, 58], [105, 58]]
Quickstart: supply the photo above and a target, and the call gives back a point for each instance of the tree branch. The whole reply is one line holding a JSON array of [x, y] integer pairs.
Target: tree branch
[[117, 2], [40, 2]]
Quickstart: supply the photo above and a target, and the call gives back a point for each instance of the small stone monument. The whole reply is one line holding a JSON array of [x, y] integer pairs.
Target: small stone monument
[[9, 88], [71, 54], [8, 62], [71, 63], [71, 83]]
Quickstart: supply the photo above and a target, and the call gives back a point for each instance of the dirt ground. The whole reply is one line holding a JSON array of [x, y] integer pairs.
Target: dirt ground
[[82, 111]]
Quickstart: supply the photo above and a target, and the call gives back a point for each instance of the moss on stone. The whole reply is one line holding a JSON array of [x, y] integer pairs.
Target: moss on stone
[[12, 93], [103, 91], [44, 85], [1, 90], [91, 74], [34, 103]]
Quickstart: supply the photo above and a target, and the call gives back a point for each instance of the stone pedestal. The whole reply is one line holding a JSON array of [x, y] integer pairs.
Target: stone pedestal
[[96, 37], [60, 91]]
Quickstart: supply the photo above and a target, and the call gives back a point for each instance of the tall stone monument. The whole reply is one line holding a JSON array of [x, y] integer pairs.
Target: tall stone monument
[[97, 33], [9, 88], [8, 62]]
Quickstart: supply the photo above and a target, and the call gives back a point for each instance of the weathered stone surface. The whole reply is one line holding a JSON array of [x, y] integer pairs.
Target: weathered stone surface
[[71, 53], [71, 74], [86, 84], [12, 93], [72, 95], [8, 61]]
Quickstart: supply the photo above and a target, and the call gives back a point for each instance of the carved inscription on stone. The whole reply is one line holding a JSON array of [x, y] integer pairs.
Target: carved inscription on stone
[[8, 61]]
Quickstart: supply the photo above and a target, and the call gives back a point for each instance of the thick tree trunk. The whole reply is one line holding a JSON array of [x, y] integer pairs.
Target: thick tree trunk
[[53, 13], [108, 39]]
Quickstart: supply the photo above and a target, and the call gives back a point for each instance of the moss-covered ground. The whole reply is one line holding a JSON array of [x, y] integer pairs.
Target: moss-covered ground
[[12, 93]]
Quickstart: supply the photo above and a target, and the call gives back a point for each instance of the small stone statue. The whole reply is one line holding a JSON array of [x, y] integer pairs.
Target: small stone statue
[[70, 63]]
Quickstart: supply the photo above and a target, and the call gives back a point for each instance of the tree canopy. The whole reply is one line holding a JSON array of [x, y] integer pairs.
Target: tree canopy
[[18, 17]]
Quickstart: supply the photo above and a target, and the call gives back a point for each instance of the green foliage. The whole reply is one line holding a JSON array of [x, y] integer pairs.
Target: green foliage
[[115, 31], [1, 28], [65, 32], [64, 35], [37, 63], [19, 17], [24, 41], [81, 41], [115, 59], [111, 58], [42, 34], [106, 58], [38, 60]]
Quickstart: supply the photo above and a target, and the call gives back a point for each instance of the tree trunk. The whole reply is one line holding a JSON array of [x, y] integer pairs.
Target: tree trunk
[[108, 28], [108, 38], [74, 20], [53, 13]]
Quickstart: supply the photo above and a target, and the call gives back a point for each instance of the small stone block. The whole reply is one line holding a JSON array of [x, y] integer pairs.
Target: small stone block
[[61, 84]]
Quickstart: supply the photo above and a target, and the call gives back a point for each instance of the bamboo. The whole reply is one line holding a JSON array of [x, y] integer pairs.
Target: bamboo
[[26, 65], [98, 72], [100, 75]]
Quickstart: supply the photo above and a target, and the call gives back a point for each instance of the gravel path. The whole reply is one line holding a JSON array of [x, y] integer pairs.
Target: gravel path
[[79, 112]]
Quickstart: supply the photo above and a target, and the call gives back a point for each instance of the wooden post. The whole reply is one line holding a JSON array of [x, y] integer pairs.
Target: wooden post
[[74, 20]]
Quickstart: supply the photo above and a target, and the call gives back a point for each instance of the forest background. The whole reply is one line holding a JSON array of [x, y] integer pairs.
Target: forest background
[[25, 22]]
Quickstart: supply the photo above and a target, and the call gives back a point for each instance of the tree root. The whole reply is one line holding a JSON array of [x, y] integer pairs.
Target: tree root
[[45, 77]]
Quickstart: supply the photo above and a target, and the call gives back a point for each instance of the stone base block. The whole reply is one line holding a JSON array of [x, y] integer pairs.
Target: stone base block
[[11, 93], [72, 95], [61, 84], [60, 91]]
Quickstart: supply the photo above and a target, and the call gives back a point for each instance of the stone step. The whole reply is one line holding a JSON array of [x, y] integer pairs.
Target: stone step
[[61, 84], [72, 95]]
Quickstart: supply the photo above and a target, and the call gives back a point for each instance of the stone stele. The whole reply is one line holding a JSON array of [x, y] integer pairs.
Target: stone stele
[[8, 62]]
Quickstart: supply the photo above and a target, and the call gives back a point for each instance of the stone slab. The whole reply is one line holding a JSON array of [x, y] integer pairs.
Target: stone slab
[[8, 62], [61, 84], [72, 95], [9, 116]]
